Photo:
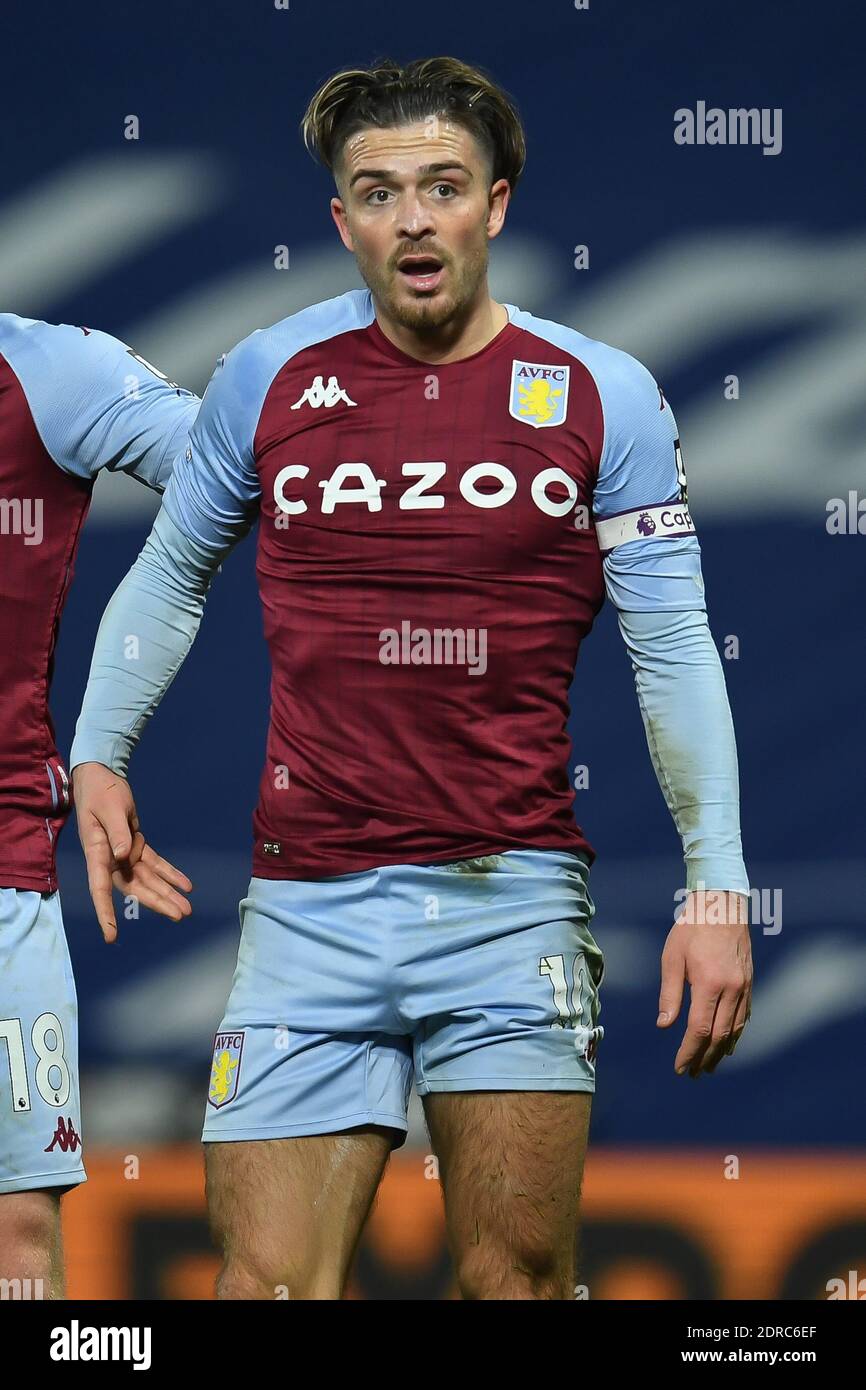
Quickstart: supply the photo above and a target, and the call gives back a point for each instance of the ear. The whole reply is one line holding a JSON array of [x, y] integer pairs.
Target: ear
[[499, 198], [338, 212]]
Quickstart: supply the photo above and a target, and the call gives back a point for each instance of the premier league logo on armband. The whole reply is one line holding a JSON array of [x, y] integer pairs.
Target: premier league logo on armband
[[539, 394], [226, 1069]]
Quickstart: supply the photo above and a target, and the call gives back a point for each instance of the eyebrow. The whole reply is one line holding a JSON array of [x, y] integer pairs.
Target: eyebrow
[[385, 174]]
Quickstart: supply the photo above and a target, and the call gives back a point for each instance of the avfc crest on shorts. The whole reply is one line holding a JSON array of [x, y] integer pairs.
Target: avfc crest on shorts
[[226, 1069], [539, 394]]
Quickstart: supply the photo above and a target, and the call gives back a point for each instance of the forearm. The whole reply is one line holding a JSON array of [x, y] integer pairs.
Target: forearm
[[686, 715], [145, 634]]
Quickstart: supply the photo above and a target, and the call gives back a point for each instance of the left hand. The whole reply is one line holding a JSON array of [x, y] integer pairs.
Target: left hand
[[709, 946]]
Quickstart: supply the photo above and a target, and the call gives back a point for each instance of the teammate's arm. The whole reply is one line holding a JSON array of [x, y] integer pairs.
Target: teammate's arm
[[209, 505], [99, 406], [653, 577]]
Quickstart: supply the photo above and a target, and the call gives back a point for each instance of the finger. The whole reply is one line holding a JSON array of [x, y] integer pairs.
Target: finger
[[166, 871], [723, 1029], [699, 1028], [164, 900], [138, 845], [744, 1013], [145, 879], [113, 820], [151, 891], [723, 1017], [98, 859], [673, 982]]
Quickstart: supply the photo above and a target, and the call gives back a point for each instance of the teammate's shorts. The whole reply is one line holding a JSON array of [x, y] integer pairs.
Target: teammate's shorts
[[40, 1111], [477, 975]]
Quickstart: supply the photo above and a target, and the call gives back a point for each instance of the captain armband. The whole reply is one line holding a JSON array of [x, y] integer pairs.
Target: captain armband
[[662, 522]]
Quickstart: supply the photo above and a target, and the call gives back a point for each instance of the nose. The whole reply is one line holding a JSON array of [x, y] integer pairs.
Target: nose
[[414, 219]]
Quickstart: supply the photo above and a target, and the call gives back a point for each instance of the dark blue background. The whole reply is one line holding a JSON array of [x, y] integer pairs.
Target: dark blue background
[[597, 91]]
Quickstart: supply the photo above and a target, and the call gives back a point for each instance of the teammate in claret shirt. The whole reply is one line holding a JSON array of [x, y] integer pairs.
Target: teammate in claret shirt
[[445, 488], [72, 402]]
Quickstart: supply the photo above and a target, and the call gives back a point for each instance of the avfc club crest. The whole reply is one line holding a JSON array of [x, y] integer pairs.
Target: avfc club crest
[[226, 1069], [539, 394]]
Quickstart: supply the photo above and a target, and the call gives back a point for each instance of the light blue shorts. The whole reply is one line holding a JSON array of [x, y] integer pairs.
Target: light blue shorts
[[40, 1111], [477, 975]]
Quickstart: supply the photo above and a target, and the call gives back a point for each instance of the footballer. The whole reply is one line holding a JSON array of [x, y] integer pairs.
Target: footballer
[[446, 488], [73, 401]]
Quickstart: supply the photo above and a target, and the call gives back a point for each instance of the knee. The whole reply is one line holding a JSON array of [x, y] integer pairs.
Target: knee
[[245, 1277], [527, 1269]]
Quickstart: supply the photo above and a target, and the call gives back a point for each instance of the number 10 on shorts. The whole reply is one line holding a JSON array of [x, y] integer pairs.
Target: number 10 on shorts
[[568, 1003]]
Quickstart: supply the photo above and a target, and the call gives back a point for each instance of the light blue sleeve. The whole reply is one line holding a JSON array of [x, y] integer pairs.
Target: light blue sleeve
[[652, 571], [145, 634], [95, 403], [640, 505], [151, 621], [690, 733], [214, 490]]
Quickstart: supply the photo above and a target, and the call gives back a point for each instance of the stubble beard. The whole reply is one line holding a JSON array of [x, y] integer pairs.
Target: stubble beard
[[420, 313]]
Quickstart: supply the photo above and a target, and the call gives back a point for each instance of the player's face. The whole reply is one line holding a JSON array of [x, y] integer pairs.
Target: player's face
[[417, 210]]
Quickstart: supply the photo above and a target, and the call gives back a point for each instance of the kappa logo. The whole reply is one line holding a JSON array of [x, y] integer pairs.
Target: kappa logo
[[226, 1068], [318, 394], [539, 394], [65, 1136]]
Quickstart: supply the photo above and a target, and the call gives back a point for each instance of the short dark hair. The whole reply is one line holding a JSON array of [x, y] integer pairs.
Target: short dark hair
[[387, 94]]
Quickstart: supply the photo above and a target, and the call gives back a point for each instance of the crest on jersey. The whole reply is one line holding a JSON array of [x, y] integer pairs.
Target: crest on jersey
[[226, 1068], [539, 394]]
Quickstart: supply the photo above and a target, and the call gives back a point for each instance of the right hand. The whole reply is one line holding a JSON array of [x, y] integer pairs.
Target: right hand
[[117, 852]]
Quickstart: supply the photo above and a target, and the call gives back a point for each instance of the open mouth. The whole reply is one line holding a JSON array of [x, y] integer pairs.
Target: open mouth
[[421, 272]]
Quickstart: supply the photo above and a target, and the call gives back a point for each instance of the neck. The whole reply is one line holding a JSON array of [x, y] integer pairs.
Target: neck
[[461, 336]]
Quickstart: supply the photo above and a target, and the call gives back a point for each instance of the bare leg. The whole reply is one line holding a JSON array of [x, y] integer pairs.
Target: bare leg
[[289, 1213], [31, 1247], [511, 1166]]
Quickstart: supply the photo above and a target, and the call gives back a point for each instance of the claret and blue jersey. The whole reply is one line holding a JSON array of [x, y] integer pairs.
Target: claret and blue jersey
[[428, 564], [72, 402]]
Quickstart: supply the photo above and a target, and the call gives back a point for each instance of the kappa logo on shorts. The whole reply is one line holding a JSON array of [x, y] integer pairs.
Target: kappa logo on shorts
[[66, 1137], [539, 394], [226, 1069]]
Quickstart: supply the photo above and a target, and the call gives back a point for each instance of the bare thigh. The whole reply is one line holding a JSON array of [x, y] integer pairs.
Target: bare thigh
[[31, 1247], [511, 1166], [289, 1213]]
